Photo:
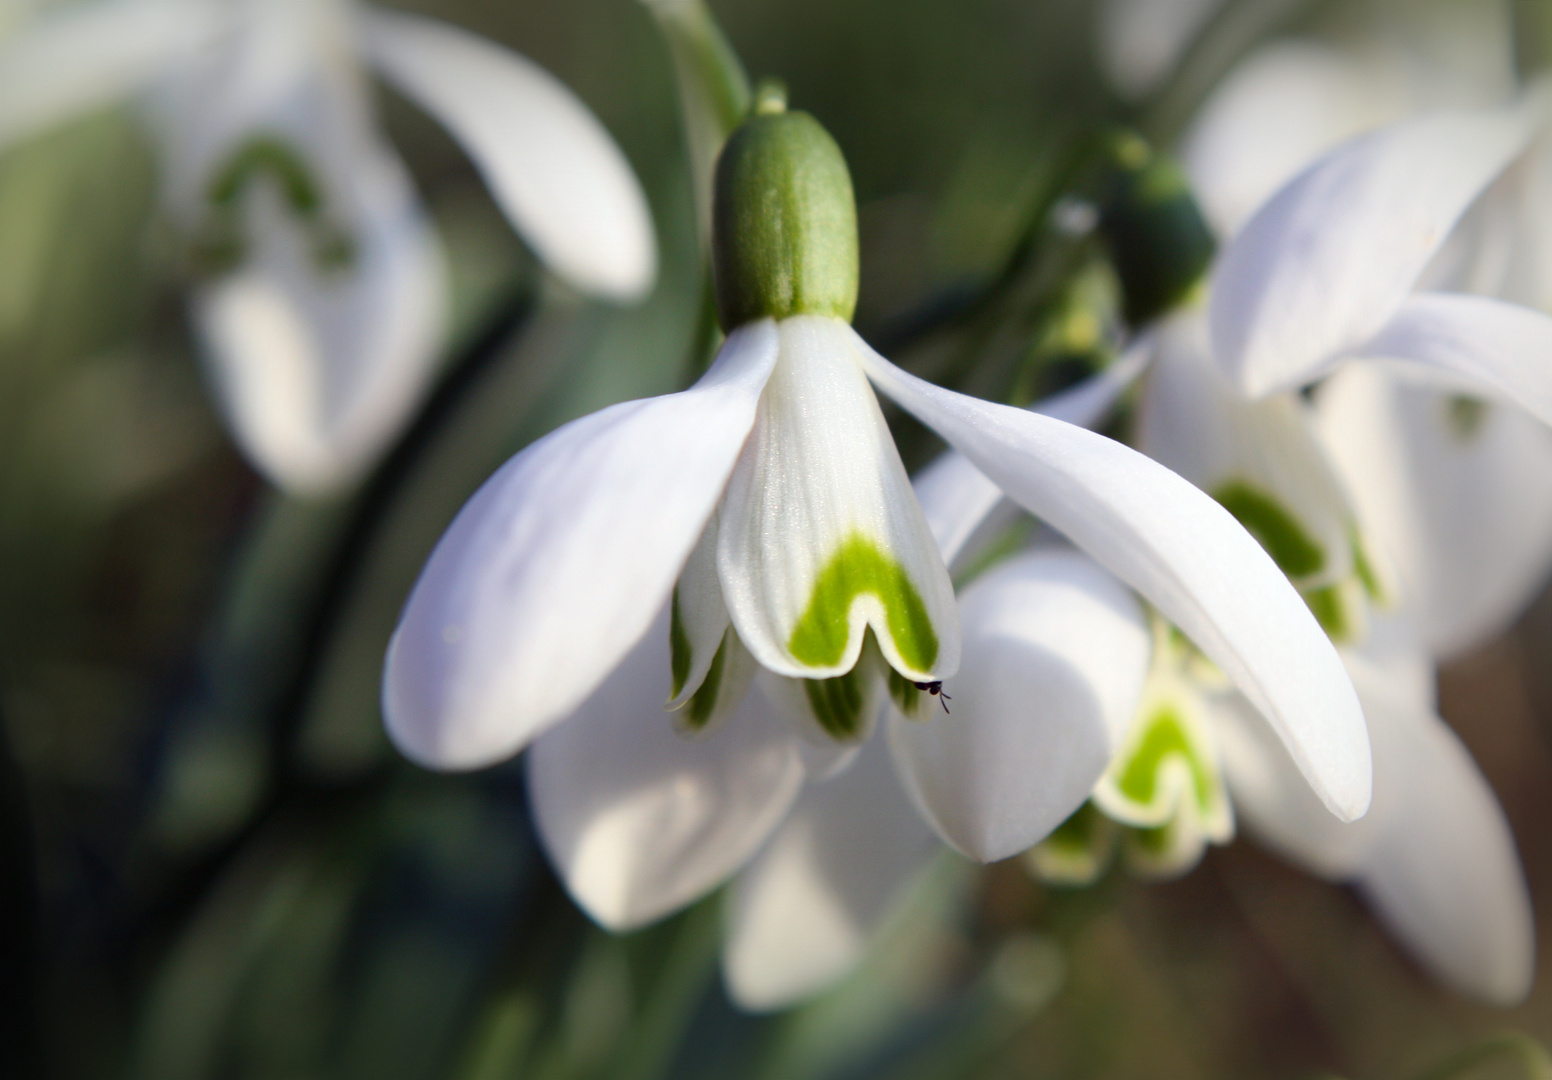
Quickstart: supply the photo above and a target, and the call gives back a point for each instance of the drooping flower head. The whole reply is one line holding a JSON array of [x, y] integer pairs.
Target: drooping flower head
[[318, 282], [751, 550]]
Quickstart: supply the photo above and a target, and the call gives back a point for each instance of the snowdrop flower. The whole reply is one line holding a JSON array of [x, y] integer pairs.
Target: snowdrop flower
[[750, 550], [319, 294], [1444, 457], [1141, 746]]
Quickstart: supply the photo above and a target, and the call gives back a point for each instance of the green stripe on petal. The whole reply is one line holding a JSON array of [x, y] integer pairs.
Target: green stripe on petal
[[721, 691], [838, 704], [820, 536], [698, 710], [1293, 550], [679, 652], [1078, 852], [861, 568], [1164, 737]]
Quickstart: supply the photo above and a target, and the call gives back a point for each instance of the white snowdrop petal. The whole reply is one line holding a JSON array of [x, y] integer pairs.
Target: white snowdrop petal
[[1443, 872], [955, 496], [1258, 458], [319, 368], [550, 164], [820, 536], [1274, 113], [1274, 803], [803, 912], [555, 568], [1455, 493], [1056, 651], [1327, 261], [86, 55], [1184, 553], [1473, 342], [640, 821]]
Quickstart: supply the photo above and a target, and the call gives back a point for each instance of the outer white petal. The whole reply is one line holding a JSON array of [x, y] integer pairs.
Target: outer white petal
[[1464, 516], [1056, 651], [86, 55], [549, 163], [1274, 803], [956, 497], [640, 821], [1193, 422], [1475, 342], [1434, 855], [318, 370], [1443, 871], [1276, 112], [1184, 553], [1328, 260], [556, 567], [802, 913], [820, 524]]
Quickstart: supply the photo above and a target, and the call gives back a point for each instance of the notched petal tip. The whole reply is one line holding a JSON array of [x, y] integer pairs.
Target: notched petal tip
[[821, 539]]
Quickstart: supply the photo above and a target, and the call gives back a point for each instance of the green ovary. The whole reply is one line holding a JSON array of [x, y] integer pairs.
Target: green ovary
[[859, 567], [1166, 737], [1293, 550]]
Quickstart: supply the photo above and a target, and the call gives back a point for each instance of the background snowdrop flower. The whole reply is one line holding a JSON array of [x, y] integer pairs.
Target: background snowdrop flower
[[1437, 446], [320, 291], [1434, 857], [1148, 750], [759, 528]]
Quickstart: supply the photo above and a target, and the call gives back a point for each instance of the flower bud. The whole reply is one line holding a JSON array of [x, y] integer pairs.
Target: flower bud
[[784, 221], [1159, 242]]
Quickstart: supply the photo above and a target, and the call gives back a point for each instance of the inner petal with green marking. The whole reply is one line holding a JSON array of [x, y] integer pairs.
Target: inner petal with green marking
[[1291, 547], [271, 158], [1167, 789], [860, 568]]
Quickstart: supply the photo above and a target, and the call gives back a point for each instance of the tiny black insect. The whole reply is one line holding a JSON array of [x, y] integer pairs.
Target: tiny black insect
[[936, 690]]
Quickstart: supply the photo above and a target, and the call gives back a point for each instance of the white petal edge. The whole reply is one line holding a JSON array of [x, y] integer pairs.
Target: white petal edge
[[1473, 342], [1277, 111], [802, 914], [1193, 422], [550, 164], [87, 55], [640, 821], [1328, 260], [955, 496], [1184, 553], [555, 568], [1056, 652]]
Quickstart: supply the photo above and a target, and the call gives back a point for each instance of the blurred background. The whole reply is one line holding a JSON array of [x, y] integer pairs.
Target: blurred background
[[212, 863]]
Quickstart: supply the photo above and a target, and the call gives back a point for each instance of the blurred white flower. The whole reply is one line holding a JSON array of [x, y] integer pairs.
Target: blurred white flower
[[320, 300], [1410, 245]]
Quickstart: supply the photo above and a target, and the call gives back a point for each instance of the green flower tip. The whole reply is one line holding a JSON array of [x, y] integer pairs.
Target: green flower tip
[[784, 219]]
